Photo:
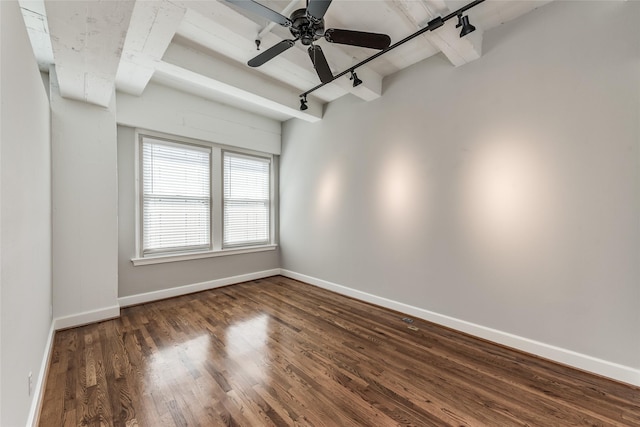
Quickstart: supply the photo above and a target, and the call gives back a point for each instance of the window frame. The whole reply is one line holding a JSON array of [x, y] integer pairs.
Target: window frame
[[216, 209]]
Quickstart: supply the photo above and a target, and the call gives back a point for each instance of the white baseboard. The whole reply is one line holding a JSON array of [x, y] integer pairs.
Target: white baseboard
[[568, 357], [86, 317], [196, 287], [38, 391]]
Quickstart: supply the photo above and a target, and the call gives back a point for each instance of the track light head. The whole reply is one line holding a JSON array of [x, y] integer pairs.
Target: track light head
[[303, 103], [356, 80], [463, 21]]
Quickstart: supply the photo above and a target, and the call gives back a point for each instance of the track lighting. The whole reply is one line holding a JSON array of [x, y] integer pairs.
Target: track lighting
[[463, 21], [434, 24], [356, 80], [303, 103]]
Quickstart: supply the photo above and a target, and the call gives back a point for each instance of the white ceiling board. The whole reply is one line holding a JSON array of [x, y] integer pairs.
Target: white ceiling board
[[87, 40], [235, 81], [152, 27]]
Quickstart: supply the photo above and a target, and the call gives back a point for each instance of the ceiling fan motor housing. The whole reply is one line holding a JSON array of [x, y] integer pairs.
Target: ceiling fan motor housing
[[305, 29]]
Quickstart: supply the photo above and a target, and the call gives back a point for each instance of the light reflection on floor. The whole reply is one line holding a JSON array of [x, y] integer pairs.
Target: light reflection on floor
[[162, 366], [248, 336], [247, 346], [242, 359]]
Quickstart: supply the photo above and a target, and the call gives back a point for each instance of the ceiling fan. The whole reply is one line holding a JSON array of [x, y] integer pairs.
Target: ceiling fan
[[307, 25]]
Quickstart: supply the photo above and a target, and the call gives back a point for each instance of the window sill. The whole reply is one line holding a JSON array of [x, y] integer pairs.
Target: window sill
[[159, 259]]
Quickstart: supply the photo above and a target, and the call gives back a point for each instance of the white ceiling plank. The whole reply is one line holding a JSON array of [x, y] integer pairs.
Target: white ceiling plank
[[153, 25], [234, 81], [233, 35], [87, 39]]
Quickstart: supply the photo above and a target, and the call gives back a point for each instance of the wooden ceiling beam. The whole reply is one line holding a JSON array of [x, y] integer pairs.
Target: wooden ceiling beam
[[87, 37], [35, 19], [153, 25], [183, 64], [447, 39]]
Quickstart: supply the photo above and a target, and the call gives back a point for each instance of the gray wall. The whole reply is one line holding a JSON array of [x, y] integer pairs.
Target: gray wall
[[85, 221], [505, 192], [25, 217], [141, 279]]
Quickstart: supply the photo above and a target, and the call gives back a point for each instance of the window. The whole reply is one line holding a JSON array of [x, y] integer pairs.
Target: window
[[246, 200], [198, 199], [176, 197]]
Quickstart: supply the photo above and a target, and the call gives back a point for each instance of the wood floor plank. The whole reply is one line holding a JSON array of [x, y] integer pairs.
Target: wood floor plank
[[279, 352]]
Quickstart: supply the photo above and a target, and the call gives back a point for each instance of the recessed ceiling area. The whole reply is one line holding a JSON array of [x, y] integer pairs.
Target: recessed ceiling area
[[203, 48]]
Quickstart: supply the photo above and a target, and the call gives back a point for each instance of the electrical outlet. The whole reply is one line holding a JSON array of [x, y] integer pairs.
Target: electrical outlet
[[30, 382]]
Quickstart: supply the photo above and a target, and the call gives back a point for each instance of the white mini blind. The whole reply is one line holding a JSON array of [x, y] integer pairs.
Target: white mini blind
[[246, 200], [176, 197]]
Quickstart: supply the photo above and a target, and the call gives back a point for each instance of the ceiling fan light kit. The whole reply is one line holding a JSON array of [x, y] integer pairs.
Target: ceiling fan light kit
[[307, 25]]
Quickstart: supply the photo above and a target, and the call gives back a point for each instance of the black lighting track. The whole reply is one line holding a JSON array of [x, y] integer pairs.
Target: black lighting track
[[432, 25]]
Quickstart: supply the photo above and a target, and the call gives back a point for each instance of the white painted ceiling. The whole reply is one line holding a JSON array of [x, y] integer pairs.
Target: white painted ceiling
[[202, 47]]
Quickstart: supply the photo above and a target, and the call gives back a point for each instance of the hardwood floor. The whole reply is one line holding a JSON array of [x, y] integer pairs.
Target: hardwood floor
[[280, 352]]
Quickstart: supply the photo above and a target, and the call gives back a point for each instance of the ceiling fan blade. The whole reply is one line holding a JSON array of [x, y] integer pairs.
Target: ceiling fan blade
[[271, 53], [357, 38], [320, 64], [317, 8], [263, 11]]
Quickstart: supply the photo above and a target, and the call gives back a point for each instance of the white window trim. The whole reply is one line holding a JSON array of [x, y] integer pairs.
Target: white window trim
[[159, 259], [216, 203]]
